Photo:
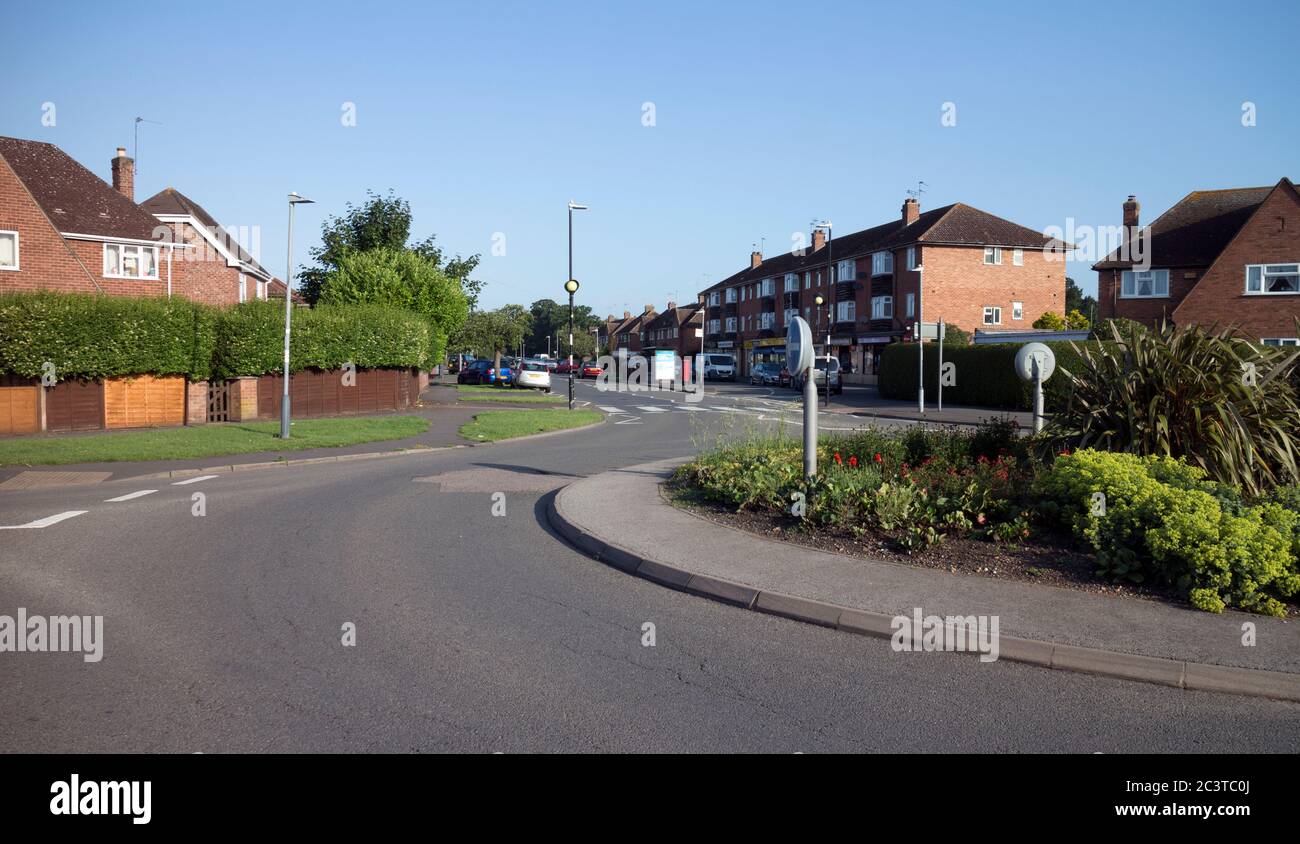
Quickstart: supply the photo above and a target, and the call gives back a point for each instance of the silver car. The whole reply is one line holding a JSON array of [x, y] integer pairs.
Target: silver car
[[533, 375], [819, 377]]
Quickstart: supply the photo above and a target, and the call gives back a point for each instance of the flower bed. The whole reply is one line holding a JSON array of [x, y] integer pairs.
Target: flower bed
[[1163, 525]]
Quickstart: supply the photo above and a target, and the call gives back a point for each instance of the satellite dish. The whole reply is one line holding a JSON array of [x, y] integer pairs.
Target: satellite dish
[[798, 346], [1031, 354]]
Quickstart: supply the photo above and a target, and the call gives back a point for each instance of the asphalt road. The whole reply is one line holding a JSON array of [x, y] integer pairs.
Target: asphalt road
[[476, 632]]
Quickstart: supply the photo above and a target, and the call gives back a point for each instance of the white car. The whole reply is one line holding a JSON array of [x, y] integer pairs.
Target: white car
[[533, 375]]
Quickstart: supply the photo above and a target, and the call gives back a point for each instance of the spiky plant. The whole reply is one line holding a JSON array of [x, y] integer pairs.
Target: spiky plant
[[1225, 404]]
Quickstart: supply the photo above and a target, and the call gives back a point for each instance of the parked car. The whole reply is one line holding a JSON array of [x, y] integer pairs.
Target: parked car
[[591, 369], [719, 368], [481, 371], [765, 374], [784, 379], [566, 368], [533, 376], [819, 377]]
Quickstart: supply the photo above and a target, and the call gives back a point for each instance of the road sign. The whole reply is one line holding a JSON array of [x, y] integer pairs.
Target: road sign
[[1032, 353], [798, 346], [929, 330]]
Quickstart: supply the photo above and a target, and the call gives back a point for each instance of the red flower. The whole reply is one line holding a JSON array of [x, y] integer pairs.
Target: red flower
[[838, 461], [1065, 453], [853, 461], [980, 518], [879, 459]]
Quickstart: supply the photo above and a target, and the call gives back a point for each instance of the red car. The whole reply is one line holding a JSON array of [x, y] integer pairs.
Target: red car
[[591, 369], [566, 368]]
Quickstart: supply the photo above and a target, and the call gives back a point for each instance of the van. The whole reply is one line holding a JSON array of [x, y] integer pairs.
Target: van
[[719, 368]]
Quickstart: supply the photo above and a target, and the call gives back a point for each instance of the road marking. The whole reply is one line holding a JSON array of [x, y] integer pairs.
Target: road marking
[[631, 420], [610, 408], [193, 480], [45, 522], [130, 495], [651, 409]]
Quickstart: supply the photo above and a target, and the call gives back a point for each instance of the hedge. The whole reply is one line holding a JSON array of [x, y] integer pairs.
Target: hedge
[[88, 336], [985, 374]]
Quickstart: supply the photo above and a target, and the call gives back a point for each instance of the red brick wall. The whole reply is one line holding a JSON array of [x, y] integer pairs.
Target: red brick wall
[[1272, 235], [1149, 311], [202, 274], [958, 286], [44, 261]]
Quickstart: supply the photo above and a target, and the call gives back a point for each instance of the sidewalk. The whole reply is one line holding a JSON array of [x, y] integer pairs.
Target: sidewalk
[[1047, 626], [866, 402]]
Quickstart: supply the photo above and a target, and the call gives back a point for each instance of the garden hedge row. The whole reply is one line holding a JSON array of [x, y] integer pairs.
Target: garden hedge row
[[88, 336], [985, 375]]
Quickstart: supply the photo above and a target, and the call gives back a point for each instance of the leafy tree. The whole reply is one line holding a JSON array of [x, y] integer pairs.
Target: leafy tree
[[1050, 321], [551, 318], [493, 332], [1075, 300], [1077, 321], [390, 275], [381, 222]]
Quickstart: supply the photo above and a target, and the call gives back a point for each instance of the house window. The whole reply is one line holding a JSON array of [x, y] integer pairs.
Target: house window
[[731, 323], [846, 270], [807, 312], [882, 307], [911, 257], [1148, 284], [791, 282], [1281, 341], [992, 255], [992, 315], [1018, 257], [731, 295], [261, 290], [911, 304], [1267, 279], [243, 288], [127, 261], [882, 263], [1017, 310], [767, 320], [790, 314], [713, 299], [8, 250], [845, 311], [768, 288], [807, 280]]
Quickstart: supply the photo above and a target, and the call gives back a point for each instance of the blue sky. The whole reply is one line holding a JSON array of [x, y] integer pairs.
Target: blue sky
[[489, 117]]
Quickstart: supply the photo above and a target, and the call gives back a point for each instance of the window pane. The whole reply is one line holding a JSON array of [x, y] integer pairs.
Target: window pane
[[1283, 268], [1254, 279], [1283, 283], [8, 251], [114, 262], [150, 262]]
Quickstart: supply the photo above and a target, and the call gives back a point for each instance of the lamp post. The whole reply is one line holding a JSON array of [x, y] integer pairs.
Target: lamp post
[[830, 275], [572, 287], [920, 342], [294, 199]]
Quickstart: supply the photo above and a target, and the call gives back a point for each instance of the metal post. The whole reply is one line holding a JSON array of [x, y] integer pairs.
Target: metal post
[[288, 310], [810, 426], [941, 333], [830, 266], [920, 346], [570, 342], [1038, 398]]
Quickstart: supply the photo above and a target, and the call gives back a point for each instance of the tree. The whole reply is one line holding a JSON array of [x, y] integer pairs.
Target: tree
[[551, 319], [1050, 321], [1075, 300], [1076, 321], [395, 276], [493, 332], [381, 222]]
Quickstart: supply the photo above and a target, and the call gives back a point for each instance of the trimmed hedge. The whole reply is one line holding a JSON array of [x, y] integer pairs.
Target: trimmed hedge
[[88, 336], [985, 375]]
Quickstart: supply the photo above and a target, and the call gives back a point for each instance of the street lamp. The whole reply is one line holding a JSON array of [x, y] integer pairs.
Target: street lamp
[[819, 301], [571, 286], [830, 271], [920, 343], [294, 199]]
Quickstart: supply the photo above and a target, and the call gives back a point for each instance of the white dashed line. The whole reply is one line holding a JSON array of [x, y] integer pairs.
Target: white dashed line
[[130, 495], [193, 480], [610, 408], [651, 409], [45, 522]]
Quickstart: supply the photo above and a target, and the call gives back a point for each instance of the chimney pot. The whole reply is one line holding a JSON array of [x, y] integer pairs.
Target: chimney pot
[[671, 304], [818, 239], [649, 308], [124, 174], [911, 210]]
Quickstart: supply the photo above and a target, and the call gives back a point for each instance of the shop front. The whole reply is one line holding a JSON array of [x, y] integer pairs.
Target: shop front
[[866, 357], [766, 350]]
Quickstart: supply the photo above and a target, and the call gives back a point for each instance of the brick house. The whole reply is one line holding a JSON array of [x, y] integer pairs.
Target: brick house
[[218, 269], [63, 228], [674, 330], [980, 271], [1230, 257], [627, 335]]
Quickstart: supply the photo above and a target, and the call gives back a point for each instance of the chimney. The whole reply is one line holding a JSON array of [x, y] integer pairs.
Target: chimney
[[124, 174], [649, 309], [755, 258], [627, 315], [819, 239], [911, 210], [671, 305], [1131, 210]]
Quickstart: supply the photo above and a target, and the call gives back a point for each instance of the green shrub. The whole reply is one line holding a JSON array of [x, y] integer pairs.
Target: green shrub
[[1160, 518], [1225, 405], [88, 336]]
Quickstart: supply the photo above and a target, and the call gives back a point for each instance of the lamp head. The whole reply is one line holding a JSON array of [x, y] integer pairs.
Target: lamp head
[[571, 286], [820, 301]]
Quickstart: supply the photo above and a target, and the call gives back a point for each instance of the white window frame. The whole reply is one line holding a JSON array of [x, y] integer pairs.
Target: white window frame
[[846, 270], [882, 263], [1129, 280], [1018, 257], [731, 295], [992, 315], [768, 287], [911, 304], [122, 249], [1280, 341], [789, 315], [807, 280], [1017, 310], [911, 257], [18, 263], [846, 311], [714, 299], [767, 320], [731, 324], [263, 291], [993, 256], [243, 288], [882, 307], [1264, 275], [791, 282]]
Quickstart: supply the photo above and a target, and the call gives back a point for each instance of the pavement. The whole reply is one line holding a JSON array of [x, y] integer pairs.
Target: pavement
[[482, 629], [1054, 627]]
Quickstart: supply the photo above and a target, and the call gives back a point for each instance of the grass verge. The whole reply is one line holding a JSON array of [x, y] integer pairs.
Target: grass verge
[[477, 393], [492, 425], [206, 441]]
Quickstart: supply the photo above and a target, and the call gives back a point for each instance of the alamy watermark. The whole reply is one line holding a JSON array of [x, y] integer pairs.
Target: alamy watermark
[[25, 633], [639, 374], [961, 633]]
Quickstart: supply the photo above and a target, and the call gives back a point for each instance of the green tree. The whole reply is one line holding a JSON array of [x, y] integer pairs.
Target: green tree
[[380, 222], [389, 275], [1075, 300], [493, 332], [1050, 321], [551, 319], [1076, 321]]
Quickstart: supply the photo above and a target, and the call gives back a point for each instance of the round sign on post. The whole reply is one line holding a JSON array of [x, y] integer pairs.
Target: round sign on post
[[1036, 362], [798, 346]]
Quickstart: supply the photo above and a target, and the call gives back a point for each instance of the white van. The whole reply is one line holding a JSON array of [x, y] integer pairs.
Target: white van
[[719, 368]]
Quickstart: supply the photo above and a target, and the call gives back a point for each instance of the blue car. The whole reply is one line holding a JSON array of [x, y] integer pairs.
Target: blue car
[[481, 371]]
